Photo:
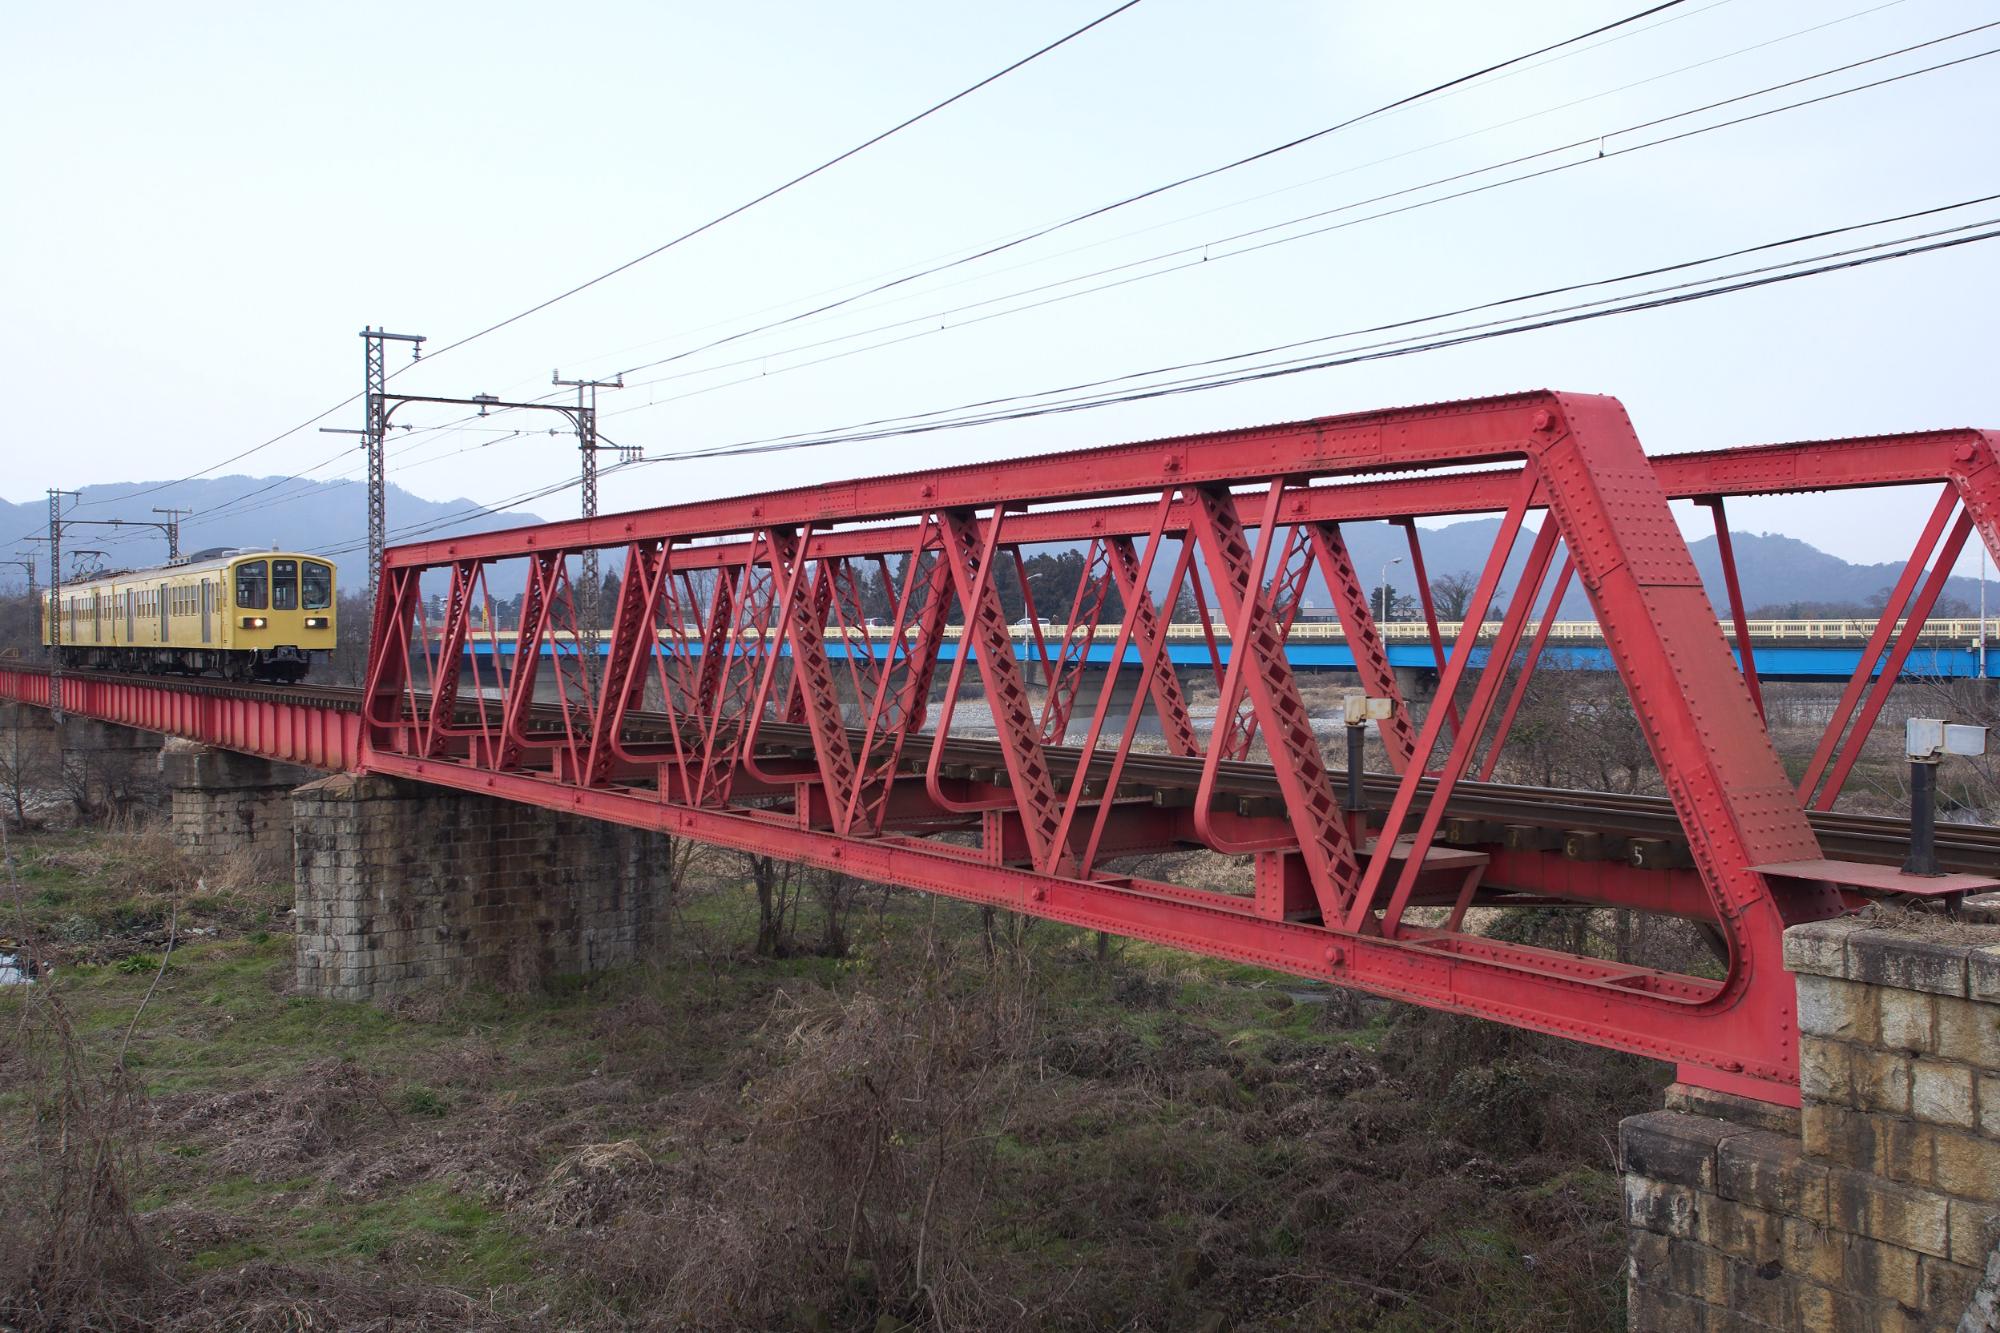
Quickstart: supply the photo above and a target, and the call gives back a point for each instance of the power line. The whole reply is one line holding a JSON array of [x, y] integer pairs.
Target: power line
[[1517, 71], [1721, 285], [799, 179], [1407, 100], [1203, 253], [1451, 338], [685, 236], [1158, 190], [1459, 83], [1567, 289]]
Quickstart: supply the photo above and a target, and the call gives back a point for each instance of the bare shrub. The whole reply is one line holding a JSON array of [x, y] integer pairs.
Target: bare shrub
[[69, 1245], [139, 862], [1507, 1091], [844, 1181], [25, 764], [1577, 728], [783, 890], [778, 884]]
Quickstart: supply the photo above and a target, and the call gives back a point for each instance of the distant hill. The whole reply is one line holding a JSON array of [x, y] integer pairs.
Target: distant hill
[[1775, 571], [322, 517]]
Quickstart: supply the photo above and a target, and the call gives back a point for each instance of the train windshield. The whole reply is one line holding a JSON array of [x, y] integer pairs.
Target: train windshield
[[251, 580], [317, 585], [284, 585]]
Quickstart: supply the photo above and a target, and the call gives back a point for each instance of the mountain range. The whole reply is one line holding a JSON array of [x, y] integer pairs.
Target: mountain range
[[1777, 572], [329, 517]]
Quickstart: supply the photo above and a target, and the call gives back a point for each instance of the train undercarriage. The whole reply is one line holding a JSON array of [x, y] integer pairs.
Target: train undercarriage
[[279, 666]]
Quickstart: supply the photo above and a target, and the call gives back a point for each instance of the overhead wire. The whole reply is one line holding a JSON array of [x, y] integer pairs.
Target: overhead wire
[[799, 179], [1153, 192], [1478, 308], [1631, 303], [1452, 340], [1447, 87], [1422, 148], [1102, 210], [1204, 253], [1515, 71], [1132, 199], [690, 234]]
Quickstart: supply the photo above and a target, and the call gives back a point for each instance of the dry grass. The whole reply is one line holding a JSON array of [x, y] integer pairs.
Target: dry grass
[[917, 1135], [68, 1238]]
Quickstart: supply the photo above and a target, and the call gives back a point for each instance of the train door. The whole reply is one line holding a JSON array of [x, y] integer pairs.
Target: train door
[[207, 610], [131, 621], [97, 617], [164, 594]]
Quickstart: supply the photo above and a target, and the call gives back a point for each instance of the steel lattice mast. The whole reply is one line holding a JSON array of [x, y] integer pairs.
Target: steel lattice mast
[[375, 381]]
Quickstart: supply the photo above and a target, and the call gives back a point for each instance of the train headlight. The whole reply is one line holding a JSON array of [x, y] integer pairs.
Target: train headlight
[[315, 622], [253, 622]]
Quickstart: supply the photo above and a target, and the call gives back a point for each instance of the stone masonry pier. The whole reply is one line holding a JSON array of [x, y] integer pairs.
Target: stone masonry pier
[[401, 886], [1876, 1205], [222, 803]]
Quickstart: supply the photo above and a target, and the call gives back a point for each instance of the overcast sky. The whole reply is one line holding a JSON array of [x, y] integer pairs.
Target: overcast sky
[[206, 202]]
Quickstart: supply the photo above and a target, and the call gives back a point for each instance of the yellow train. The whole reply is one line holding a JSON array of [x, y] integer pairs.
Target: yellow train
[[245, 615]]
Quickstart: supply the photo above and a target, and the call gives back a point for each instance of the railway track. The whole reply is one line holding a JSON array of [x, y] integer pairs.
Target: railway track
[[1543, 818]]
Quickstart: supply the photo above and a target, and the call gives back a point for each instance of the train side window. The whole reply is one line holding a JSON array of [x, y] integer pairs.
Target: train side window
[[284, 585], [316, 585], [250, 585]]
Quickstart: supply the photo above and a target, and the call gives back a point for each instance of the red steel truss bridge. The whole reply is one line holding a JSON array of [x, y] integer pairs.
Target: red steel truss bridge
[[717, 711]]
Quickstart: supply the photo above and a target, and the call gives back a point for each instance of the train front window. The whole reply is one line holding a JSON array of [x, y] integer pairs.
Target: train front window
[[251, 579], [284, 585], [316, 582]]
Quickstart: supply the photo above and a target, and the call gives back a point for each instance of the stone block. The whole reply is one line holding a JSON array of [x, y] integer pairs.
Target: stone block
[[1908, 1019], [1887, 1272], [1770, 1171], [1824, 1070], [1654, 1310], [1819, 948], [1946, 1287], [1841, 1010], [1885, 1210], [1968, 1030], [1669, 1210], [1694, 1269], [1987, 1087], [1941, 1093], [1967, 1165], [1823, 1310], [1982, 967], [1646, 1257], [1975, 1229], [1888, 1146], [1814, 1252], [1880, 1080], [1669, 1146], [1760, 1293], [1881, 959], [1739, 1230]]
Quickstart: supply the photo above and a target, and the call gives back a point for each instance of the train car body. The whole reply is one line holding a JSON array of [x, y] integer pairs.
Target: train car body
[[247, 615]]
